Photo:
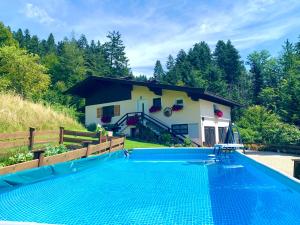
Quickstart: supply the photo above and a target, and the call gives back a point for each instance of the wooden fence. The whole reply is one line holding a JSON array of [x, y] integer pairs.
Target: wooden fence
[[34, 139], [111, 145]]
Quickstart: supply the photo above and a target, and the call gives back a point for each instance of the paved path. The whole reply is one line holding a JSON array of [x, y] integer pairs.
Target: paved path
[[280, 161]]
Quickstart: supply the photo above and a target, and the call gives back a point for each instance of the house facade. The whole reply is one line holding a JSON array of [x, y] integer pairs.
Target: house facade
[[191, 112]]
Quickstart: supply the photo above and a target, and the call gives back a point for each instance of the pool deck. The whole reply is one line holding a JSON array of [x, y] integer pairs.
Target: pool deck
[[279, 161]]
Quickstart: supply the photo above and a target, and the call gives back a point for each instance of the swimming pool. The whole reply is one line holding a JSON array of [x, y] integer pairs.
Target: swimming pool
[[157, 186]]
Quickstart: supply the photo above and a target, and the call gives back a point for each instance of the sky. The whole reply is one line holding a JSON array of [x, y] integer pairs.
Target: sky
[[153, 29]]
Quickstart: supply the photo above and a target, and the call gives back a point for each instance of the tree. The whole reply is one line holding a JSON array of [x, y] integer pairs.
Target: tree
[[82, 42], [200, 57], [33, 45], [116, 56], [6, 37], [159, 73], [18, 36], [257, 62], [22, 73], [51, 45], [170, 63], [71, 67], [141, 77]]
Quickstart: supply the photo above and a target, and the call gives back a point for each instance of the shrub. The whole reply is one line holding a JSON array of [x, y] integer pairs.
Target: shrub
[[166, 139], [92, 127], [258, 125], [187, 142]]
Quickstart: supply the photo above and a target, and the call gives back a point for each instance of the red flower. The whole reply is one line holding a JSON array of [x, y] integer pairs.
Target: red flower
[[106, 119], [132, 120], [177, 107], [218, 113], [154, 109]]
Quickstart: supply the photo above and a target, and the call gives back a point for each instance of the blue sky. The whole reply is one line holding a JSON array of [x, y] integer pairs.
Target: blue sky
[[153, 29]]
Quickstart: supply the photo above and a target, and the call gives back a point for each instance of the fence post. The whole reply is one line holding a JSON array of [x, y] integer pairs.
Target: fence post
[[124, 139], [61, 135], [87, 151], [31, 138], [110, 144], [99, 137], [39, 154]]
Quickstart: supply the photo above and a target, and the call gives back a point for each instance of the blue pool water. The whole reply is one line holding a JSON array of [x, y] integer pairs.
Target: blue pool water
[[167, 186]]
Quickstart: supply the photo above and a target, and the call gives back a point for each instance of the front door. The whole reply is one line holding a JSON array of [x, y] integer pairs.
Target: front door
[[210, 136], [141, 106]]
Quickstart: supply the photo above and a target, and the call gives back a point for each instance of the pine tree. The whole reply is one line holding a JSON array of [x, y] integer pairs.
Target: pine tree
[[170, 63], [51, 45], [19, 37], [257, 62], [115, 53], [82, 42], [200, 57], [33, 45], [95, 62], [71, 67], [159, 73]]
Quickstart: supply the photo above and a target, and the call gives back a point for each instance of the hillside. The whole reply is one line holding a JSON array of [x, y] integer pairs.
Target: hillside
[[17, 114]]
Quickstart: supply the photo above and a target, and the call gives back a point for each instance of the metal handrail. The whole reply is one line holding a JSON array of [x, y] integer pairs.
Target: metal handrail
[[153, 121]]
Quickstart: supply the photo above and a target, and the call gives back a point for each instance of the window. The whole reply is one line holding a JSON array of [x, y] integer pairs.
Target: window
[[157, 102], [112, 110], [180, 128], [108, 110], [179, 101]]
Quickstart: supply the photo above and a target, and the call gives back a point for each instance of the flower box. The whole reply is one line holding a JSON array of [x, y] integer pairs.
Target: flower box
[[132, 120], [154, 109], [218, 113], [176, 108], [106, 119]]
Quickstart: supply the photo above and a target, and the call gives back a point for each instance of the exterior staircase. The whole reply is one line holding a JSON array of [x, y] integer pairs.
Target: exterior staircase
[[155, 125]]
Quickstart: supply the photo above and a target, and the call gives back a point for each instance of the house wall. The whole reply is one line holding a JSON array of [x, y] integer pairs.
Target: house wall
[[192, 113], [209, 119]]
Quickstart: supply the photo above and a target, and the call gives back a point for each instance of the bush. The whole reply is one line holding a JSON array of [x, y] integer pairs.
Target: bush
[[92, 127], [166, 139], [187, 142], [258, 125]]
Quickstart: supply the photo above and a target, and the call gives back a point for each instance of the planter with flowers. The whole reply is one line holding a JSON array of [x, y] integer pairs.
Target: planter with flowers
[[218, 113], [106, 119], [132, 120], [177, 108], [154, 109]]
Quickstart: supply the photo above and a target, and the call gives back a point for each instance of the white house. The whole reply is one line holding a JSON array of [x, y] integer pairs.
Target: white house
[[185, 111]]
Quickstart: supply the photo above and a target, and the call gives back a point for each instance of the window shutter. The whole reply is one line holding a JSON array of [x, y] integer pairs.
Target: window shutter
[[117, 110], [99, 112]]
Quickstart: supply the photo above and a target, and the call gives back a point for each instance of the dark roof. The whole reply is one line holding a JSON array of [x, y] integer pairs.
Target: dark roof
[[91, 84]]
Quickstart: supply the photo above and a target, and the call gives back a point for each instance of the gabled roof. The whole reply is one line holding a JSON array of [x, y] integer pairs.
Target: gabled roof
[[91, 84]]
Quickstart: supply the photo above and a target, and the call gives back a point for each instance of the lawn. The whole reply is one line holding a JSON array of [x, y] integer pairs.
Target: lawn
[[129, 144]]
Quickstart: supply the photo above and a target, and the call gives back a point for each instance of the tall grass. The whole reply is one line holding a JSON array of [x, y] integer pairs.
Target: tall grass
[[17, 114]]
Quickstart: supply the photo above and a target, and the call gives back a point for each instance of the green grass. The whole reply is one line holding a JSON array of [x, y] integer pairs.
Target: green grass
[[129, 144]]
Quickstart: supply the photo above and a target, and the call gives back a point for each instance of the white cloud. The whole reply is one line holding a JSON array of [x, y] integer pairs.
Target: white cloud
[[35, 12], [155, 29]]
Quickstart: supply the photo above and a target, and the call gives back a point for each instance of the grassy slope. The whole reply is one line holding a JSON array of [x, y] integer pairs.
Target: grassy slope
[[17, 114], [129, 144]]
